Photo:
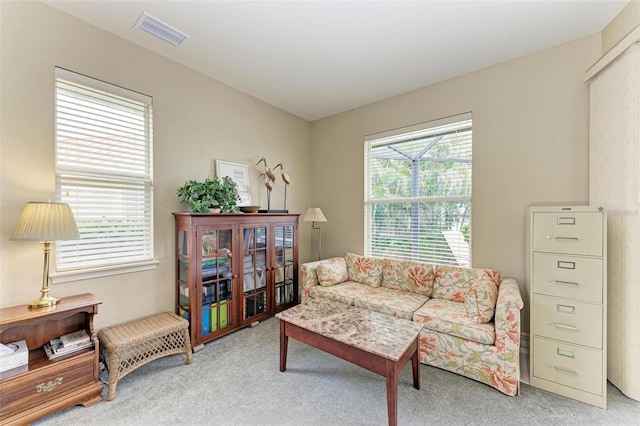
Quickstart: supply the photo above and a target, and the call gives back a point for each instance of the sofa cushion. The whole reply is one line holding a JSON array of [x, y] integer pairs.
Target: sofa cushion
[[448, 317], [406, 275], [480, 303], [332, 271], [454, 282], [343, 293], [365, 270], [392, 302]]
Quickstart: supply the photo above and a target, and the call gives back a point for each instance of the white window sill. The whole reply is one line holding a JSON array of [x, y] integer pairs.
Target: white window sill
[[87, 274]]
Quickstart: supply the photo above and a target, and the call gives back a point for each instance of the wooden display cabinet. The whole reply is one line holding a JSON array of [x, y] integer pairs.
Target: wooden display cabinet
[[42, 387], [233, 270]]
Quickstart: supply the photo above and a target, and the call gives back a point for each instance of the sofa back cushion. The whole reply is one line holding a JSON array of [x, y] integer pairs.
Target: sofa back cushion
[[407, 275], [454, 282], [480, 302], [332, 271], [365, 270]]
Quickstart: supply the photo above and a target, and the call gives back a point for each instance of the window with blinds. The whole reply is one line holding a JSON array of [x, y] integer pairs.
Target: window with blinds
[[418, 192], [104, 172]]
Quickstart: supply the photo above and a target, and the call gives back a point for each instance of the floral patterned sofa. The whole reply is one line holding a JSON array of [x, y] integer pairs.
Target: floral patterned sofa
[[471, 316]]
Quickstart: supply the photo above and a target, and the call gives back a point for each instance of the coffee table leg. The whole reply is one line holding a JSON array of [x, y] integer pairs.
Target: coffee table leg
[[392, 392], [284, 340], [415, 362]]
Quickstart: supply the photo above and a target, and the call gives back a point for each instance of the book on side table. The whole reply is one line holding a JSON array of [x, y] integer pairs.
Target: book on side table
[[67, 344]]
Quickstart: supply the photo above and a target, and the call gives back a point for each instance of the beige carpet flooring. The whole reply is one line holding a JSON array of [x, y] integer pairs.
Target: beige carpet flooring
[[235, 380]]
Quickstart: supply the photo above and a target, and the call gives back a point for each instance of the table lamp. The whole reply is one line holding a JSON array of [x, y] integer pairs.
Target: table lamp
[[46, 222], [315, 215]]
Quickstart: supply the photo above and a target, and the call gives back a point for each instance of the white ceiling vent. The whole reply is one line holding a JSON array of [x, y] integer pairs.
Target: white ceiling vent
[[157, 28]]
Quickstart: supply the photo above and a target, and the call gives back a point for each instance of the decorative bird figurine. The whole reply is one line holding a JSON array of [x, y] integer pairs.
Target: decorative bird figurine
[[269, 186], [267, 171], [286, 179], [267, 182], [285, 175]]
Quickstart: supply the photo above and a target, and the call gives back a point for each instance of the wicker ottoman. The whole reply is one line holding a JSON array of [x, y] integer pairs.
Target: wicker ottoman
[[127, 346]]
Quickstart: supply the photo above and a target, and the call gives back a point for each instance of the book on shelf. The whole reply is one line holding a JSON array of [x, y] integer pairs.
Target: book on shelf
[[54, 353], [212, 272]]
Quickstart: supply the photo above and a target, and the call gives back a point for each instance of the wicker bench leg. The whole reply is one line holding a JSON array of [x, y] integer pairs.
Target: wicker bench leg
[[187, 346], [113, 365], [112, 390]]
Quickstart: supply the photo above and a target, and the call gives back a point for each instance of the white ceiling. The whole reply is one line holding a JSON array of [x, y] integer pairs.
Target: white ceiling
[[319, 58]]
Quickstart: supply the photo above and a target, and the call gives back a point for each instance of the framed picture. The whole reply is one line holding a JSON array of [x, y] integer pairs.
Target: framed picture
[[239, 173]]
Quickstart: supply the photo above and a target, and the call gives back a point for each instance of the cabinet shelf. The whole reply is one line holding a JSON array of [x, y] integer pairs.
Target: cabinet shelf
[[230, 269]]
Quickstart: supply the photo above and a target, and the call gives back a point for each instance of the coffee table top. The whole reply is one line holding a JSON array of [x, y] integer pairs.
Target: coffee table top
[[373, 332]]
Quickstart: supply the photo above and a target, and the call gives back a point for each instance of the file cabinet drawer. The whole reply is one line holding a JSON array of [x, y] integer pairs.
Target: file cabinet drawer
[[568, 276], [567, 320], [568, 232], [569, 365]]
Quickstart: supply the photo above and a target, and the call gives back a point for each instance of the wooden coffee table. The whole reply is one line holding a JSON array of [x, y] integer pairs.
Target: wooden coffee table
[[380, 343]]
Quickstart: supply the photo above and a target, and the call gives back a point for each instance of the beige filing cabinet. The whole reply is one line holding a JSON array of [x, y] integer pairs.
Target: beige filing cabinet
[[567, 274]]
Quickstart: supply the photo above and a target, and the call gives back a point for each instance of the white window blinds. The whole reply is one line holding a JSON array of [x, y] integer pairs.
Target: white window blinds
[[418, 192], [104, 172]]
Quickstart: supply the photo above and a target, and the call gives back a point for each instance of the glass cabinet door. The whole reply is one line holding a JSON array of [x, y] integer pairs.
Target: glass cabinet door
[[284, 283], [183, 274], [217, 278], [254, 271]]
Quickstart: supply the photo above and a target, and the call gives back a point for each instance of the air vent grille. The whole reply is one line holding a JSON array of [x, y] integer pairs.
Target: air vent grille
[[157, 28]]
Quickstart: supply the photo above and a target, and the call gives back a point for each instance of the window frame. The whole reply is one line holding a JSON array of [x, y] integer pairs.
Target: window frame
[[406, 134], [141, 262]]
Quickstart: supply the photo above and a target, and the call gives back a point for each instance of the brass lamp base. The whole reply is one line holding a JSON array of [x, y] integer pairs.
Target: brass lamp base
[[43, 302]]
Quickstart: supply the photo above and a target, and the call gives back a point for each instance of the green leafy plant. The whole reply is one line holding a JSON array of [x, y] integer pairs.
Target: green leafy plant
[[211, 193]]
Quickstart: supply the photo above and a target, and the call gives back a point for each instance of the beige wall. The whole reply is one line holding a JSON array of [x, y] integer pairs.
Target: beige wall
[[196, 120], [530, 145]]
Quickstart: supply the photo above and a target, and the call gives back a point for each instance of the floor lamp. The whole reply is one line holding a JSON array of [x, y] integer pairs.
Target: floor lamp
[[315, 215], [46, 222]]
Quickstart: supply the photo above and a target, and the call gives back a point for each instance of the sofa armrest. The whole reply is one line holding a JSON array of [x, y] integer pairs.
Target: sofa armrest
[[507, 320], [309, 277]]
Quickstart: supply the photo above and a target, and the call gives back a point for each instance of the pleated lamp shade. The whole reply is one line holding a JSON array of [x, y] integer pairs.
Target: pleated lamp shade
[[314, 214], [40, 221]]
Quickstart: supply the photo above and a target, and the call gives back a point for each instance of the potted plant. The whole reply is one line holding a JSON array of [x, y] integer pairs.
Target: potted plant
[[210, 194], [226, 195]]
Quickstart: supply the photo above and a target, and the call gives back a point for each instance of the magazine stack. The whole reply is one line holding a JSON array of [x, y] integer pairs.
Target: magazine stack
[[67, 344]]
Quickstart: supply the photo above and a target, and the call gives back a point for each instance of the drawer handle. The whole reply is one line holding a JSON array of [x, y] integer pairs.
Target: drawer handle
[[551, 237], [49, 386], [562, 369], [563, 326], [566, 282]]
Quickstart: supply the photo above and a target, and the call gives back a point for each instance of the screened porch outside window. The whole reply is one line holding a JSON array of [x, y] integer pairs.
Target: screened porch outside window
[[418, 192]]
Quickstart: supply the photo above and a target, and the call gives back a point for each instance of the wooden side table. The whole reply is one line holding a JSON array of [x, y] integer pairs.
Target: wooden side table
[[43, 386]]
